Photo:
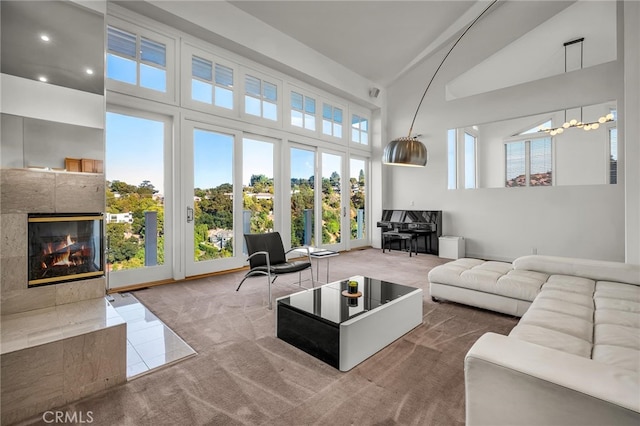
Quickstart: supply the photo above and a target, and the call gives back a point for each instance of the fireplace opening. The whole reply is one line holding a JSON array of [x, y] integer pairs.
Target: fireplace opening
[[65, 247]]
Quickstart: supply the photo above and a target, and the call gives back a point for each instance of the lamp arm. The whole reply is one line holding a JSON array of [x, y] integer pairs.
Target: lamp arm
[[444, 59]]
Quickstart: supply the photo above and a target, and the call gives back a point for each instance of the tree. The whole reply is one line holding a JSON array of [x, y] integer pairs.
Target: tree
[[120, 248], [146, 189], [121, 188], [335, 179]]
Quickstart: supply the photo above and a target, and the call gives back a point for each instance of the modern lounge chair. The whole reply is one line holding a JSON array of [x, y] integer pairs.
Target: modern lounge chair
[[268, 257]]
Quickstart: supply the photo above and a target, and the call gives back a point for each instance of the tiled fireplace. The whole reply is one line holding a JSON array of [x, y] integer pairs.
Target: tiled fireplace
[[40, 194], [61, 340]]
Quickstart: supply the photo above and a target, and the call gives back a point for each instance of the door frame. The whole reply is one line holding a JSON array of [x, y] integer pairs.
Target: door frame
[[238, 260], [146, 110]]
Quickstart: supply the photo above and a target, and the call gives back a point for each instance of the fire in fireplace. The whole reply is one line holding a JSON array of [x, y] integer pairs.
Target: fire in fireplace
[[65, 247]]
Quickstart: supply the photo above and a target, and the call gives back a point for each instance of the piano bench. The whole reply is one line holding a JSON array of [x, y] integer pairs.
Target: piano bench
[[390, 236]]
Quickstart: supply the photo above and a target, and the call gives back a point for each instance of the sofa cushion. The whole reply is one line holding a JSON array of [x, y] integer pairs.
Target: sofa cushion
[[611, 290], [581, 328], [561, 306], [552, 339], [587, 268], [567, 283], [617, 335], [616, 355], [567, 297], [625, 318], [489, 277], [617, 304]]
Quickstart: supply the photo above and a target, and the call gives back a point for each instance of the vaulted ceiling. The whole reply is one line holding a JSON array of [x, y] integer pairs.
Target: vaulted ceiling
[[375, 39]]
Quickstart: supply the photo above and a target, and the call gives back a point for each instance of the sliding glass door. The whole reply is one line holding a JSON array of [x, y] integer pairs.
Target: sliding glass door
[[258, 189], [332, 207], [138, 197], [210, 223], [358, 225]]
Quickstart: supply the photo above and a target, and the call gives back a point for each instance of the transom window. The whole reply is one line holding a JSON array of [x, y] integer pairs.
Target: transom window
[[331, 120], [303, 111], [261, 98], [207, 86], [136, 60], [359, 130]]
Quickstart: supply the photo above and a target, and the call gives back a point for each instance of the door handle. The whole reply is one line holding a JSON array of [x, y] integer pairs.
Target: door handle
[[344, 212], [189, 214]]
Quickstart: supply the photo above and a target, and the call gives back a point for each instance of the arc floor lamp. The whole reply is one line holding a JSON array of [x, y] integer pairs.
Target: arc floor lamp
[[409, 151]]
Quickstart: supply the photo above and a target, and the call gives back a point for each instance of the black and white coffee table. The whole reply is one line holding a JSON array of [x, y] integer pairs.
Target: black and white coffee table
[[344, 331]]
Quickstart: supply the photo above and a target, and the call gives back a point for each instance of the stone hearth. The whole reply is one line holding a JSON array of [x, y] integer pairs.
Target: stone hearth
[[60, 342]]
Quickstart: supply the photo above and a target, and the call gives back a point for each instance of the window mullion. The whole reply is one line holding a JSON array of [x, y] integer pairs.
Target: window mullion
[[527, 163]]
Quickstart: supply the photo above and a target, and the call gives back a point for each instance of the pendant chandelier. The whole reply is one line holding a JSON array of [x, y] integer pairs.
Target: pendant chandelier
[[574, 122], [409, 151]]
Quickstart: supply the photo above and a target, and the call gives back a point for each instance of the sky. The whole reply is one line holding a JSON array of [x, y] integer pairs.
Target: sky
[[135, 150]]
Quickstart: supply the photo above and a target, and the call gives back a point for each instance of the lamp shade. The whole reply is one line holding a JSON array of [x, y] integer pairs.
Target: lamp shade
[[405, 152]]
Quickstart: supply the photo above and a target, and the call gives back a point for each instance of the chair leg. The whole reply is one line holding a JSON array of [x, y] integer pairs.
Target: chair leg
[[313, 283], [241, 282], [269, 281]]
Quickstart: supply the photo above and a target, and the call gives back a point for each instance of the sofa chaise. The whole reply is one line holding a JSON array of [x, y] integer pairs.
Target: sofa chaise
[[574, 356]]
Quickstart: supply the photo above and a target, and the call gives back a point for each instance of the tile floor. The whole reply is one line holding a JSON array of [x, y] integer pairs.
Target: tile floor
[[150, 343]]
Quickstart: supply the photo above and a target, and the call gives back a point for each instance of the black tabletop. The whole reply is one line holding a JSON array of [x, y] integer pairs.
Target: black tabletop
[[328, 303]]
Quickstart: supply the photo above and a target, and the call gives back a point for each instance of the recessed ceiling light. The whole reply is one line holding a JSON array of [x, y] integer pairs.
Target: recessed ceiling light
[[44, 37], [43, 79], [89, 71]]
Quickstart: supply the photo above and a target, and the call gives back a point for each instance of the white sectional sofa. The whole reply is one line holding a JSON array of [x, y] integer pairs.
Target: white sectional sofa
[[573, 358]]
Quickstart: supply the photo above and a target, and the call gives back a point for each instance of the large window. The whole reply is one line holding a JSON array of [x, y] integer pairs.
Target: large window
[[219, 162], [261, 98], [135, 191], [136, 60], [303, 111], [302, 197], [331, 198], [211, 83], [528, 163], [257, 186], [212, 194], [357, 195]]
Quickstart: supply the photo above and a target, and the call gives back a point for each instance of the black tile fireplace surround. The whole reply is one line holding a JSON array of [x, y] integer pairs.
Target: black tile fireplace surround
[[65, 247]]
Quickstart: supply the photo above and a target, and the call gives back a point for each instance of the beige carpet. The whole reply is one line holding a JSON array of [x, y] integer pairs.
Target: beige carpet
[[244, 375]]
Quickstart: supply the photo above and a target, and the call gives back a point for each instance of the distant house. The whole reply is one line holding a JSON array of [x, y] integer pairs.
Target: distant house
[[120, 217], [261, 195], [220, 237]]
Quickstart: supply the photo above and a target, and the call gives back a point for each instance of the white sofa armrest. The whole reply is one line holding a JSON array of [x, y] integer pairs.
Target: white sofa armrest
[[513, 382]]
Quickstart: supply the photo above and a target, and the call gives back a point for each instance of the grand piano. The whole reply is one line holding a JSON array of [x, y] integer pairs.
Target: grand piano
[[426, 224]]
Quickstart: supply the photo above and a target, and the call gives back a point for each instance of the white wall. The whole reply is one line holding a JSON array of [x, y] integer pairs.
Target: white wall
[[30, 98], [500, 223], [631, 130]]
